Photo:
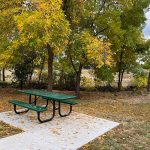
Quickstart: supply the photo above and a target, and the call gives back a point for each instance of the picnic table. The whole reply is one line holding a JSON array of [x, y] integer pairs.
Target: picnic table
[[56, 100]]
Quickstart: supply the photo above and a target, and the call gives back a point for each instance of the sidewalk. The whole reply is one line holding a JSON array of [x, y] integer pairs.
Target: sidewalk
[[67, 133]]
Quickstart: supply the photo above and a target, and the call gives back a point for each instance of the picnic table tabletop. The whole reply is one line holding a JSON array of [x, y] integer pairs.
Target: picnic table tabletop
[[46, 94]]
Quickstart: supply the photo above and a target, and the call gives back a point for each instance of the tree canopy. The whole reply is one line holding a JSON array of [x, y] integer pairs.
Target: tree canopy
[[96, 33]]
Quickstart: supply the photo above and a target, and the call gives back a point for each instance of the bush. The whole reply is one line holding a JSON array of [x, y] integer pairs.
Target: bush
[[64, 81], [21, 73], [37, 85], [23, 66], [140, 81], [4, 84], [104, 74], [87, 83], [44, 76], [106, 88]]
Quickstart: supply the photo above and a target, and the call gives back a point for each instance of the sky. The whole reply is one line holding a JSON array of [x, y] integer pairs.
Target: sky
[[147, 27]]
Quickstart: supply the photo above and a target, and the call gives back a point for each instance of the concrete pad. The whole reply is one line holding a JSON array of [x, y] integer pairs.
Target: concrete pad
[[68, 133]]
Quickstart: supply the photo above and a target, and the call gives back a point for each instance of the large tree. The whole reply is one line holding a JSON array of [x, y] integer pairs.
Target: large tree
[[122, 21], [85, 47], [37, 24], [144, 59]]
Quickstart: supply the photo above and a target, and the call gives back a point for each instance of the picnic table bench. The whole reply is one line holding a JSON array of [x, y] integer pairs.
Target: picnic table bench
[[45, 95]]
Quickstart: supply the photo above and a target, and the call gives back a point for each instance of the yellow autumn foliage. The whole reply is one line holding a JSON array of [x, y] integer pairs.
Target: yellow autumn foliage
[[44, 25], [97, 51]]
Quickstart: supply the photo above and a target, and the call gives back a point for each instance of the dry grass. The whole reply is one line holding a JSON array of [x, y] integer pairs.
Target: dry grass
[[7, 130], [130, 109]]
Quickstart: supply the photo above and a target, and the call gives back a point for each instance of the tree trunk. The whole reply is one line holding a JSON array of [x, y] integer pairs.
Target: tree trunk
[[0, 75], [65, 5], [30, 77], [78, 80], [21, 85], [50, 68], [120, 76], [119, 81], [31, 74], [41, 69], [78, 76], [61, 80], [3, 74], [120, 72], [148, 82]]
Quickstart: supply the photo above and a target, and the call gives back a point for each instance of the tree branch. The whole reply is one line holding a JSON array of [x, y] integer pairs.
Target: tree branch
[[73, 65]]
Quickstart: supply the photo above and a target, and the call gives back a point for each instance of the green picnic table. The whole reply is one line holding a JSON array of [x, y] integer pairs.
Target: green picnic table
[[49, 97]]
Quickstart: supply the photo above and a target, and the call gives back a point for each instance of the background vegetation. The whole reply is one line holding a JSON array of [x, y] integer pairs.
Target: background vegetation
[[54, 40]]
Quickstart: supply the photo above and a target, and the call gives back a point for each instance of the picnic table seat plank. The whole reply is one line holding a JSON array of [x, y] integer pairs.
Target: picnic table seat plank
[[28, 106]]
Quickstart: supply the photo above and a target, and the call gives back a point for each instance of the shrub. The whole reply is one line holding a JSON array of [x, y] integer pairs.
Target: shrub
[[140, 81], [23, 65], [104, 74], [64, 81], [44, 76], [4, 84], [37, 85], [87, 83]]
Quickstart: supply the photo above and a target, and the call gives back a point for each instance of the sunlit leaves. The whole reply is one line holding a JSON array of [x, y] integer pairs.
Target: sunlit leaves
[[87, 48], [46, 24], [97, 51]]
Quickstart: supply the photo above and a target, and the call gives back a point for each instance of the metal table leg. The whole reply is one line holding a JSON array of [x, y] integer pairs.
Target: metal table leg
[[30, 99], [59, 110], [19, 112], [46, 120]]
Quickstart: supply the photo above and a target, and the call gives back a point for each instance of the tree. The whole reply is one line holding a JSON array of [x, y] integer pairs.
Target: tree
[[3, 70], [23, 65], [84, 49], [123, 29], [84, 46], [144, 59], [131, 22], [105, 74], [64, 74], [39, 24]]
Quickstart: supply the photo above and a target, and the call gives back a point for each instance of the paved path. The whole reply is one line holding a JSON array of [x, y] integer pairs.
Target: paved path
[[67, 133]]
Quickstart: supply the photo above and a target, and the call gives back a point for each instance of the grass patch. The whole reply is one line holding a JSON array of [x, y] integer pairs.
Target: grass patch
[[134, 130], [7, 130]]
